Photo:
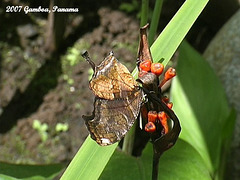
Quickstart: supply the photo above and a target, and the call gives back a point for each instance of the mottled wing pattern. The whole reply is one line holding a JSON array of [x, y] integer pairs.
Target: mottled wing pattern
[[112, 80], [112, 119], [117, 102]]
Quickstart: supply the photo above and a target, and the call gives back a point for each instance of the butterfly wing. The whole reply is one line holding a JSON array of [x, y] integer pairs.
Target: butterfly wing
[[112, 80], [112, 119], [117, 102]]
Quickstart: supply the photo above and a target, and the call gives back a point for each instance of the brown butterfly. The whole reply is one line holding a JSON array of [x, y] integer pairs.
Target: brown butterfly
[[118, 99]]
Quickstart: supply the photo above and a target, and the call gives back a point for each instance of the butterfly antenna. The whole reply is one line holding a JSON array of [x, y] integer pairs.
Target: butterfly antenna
[[86, 56]]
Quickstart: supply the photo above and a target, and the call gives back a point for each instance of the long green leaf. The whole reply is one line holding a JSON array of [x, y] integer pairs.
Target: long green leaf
[[163, 47], [89, 162], [171, 37], [201, 105]]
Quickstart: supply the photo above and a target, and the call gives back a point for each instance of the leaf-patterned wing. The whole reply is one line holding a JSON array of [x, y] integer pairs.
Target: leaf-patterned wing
[[112, 119], [112, 80]]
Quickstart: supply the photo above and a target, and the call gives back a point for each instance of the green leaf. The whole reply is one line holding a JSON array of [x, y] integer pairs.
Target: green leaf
[[173, 34], [201, 105], [29, 172], [180, 162], [89, 162], [227, 134]]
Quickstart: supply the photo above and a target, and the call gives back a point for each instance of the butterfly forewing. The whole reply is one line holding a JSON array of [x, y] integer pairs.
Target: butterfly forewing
[[112, 80]]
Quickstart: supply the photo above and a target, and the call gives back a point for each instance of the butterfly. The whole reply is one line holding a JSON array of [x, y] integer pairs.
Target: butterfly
[[117, 103]]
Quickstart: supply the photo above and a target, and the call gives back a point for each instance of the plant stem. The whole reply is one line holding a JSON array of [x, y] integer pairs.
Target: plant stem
[[144, 12], [156, 157], [129, 140], [155, 21], [129, 137]]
